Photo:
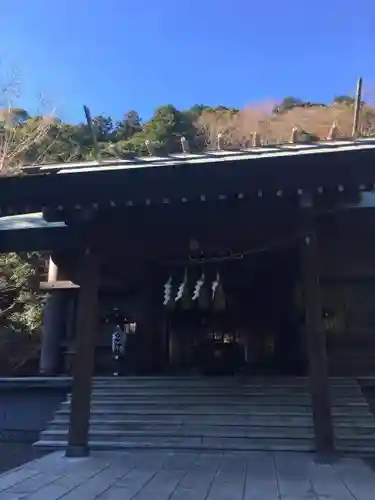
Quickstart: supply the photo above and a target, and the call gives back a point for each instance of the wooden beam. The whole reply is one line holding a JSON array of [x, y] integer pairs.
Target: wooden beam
[[57, 285], [83, 362], [316, 341]]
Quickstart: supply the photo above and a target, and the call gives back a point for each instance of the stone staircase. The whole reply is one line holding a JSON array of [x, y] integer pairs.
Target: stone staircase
[[222, 413], [358, 359]]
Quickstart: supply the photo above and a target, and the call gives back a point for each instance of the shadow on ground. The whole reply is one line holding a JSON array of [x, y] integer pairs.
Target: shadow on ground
[[15, 454]]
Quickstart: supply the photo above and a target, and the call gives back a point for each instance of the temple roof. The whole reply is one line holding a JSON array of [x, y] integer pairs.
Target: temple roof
[[27, 221], [31, 232], [264, 171], [256, 153]]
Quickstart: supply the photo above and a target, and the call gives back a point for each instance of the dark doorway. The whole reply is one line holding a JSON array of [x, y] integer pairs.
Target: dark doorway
[[270, 303], [257, 332]]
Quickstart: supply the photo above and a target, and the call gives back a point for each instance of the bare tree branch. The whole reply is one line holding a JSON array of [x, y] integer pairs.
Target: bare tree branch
[[7, 310], [18, 136], [237, 129]]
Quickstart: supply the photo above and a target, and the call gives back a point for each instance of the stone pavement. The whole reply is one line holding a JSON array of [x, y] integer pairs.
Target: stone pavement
[[152, 475], [13, 454]]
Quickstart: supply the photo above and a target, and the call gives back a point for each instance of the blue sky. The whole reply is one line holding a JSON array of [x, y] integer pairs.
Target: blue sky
[[116, 55]]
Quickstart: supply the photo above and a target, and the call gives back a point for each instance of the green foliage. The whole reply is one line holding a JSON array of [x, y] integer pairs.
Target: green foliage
[[305, 136], [34, 141], [14, 116], [103, 127], [344, 99], [64, 142], [128, 127], [287, 104], [166, 128], [20, 300]]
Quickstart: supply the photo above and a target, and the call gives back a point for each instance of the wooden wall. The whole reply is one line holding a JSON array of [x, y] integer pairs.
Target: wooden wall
[[347, 263]]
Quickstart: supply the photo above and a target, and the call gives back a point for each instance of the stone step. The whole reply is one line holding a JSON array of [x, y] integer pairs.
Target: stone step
[[214, 440], [207, 429], [156, 409], [214, 413], [355, 397], [191, 430], [353, 448], [222, 393], [250, 390], [190, 401], [211, 420], [218, 381], [357, 402], [204, 380], [367, 357], [119, 383], [366, 420], [352, 362], [211, 444], [244, 432], [356, 442], [187, 445]]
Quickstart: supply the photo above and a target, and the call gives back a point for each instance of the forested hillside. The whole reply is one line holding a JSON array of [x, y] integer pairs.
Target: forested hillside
[[29, 139]]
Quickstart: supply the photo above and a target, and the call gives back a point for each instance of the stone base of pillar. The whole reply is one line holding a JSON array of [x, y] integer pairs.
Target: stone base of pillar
[[328, 458], [48, 373], [77, 451]]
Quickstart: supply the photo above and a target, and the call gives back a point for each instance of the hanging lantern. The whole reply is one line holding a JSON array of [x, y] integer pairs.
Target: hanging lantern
[[218, 295]]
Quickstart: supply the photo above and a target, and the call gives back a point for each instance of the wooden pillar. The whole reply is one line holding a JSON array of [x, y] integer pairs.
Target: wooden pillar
[[147, 320], [83, 362], [54, 323], [157, 330], [316, 342], [53, 271], [54, 326]]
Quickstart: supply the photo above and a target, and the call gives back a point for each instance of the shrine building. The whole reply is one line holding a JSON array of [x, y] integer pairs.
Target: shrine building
[[256, 264]]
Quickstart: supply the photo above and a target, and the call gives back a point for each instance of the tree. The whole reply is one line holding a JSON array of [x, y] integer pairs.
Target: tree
[[62, 143], [136, 145], [103, 127], [129, 126], [20, 313], [214, 122], [20, 300], [166, 128], [15, 116], [20, 141], [20, 134], [344, 99], [287, 104]]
